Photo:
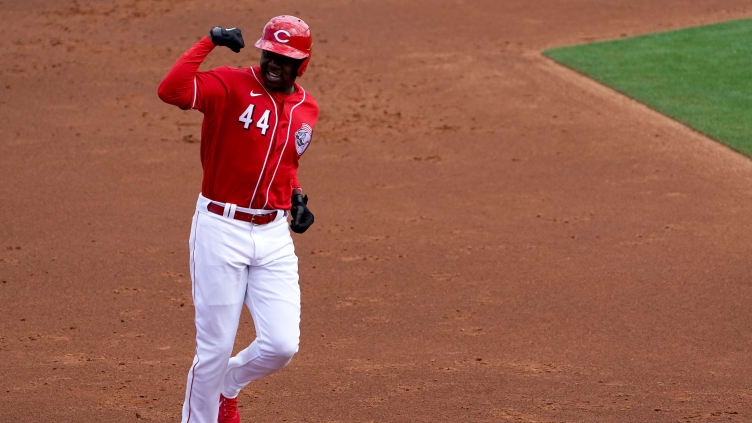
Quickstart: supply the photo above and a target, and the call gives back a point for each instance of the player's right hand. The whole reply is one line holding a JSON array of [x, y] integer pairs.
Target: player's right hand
[[231, 38]]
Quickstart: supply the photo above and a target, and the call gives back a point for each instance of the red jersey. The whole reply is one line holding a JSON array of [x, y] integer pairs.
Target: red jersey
[[251, 138]]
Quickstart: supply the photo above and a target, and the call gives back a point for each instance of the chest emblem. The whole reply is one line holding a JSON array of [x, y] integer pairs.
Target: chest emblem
[[303, 138]]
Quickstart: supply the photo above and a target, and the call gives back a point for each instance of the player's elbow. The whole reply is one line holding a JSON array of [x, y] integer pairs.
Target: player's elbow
[[168, 93], [165, 93]]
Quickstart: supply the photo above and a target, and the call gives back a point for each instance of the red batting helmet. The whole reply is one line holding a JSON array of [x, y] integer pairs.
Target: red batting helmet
[[288, 36]]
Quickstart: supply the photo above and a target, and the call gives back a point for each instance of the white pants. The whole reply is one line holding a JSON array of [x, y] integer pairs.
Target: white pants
[[232, 263]]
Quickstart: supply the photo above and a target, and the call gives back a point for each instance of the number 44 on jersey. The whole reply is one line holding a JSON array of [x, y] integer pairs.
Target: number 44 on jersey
[[247, 119]]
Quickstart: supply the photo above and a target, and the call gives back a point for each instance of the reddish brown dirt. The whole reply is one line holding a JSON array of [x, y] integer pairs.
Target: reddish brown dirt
[[497, 238]]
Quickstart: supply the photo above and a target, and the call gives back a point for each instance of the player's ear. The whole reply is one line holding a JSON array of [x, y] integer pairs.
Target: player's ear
[[302, 65]]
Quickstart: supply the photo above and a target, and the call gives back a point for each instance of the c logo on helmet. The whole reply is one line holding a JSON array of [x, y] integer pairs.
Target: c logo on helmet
[[281, 40]]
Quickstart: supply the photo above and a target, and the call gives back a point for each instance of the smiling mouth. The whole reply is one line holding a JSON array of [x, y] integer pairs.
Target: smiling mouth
[[273, 76]]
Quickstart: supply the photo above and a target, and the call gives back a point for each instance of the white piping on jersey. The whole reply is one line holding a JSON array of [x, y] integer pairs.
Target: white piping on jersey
[[287, 138], [271, 141], [195, 90]]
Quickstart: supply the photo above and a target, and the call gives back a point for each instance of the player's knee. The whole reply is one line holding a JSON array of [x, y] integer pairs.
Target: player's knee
[[282, 349], [217, 351], [285, 349]]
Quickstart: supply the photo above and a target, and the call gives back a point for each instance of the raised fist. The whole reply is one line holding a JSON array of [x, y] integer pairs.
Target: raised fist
[[231, 38]]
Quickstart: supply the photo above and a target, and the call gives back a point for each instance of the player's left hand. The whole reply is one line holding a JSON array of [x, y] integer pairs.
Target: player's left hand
[[231, 38], [302, 218]]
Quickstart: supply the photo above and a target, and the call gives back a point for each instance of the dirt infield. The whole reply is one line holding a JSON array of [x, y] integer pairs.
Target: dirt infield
[[497, 238]]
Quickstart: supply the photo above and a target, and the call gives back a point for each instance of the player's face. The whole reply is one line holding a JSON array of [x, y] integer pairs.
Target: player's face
[[278, 71]]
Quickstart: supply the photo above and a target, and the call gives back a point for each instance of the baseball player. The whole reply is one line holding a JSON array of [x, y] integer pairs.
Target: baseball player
[[257, 124]]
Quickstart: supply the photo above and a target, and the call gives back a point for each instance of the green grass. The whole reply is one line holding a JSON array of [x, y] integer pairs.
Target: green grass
[[699, 76]]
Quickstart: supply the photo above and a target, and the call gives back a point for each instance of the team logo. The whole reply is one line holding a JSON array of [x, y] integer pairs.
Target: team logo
[[303, 138], [282, 40]]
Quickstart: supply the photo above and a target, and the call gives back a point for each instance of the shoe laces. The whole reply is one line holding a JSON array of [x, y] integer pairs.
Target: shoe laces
[[230, 406]]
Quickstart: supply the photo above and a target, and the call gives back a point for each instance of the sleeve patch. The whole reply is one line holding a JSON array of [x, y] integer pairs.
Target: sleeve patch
[[303, 138]]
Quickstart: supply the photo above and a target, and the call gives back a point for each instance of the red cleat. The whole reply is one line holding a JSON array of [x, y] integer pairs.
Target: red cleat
[[228, 410]]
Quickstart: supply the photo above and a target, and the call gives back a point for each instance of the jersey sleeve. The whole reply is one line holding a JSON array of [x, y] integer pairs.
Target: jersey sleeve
[[210, 90], [294, 184], [303, 137], [186, 87]]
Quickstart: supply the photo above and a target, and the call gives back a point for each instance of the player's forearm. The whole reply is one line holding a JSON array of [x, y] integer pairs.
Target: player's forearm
[[294, 184], [177, 87]]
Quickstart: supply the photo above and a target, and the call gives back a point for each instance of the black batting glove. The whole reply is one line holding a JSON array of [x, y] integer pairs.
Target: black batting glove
[[302, 218], [231, 38]]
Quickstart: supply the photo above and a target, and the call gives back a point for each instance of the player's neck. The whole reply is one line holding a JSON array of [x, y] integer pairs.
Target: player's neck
[[284, 91]]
